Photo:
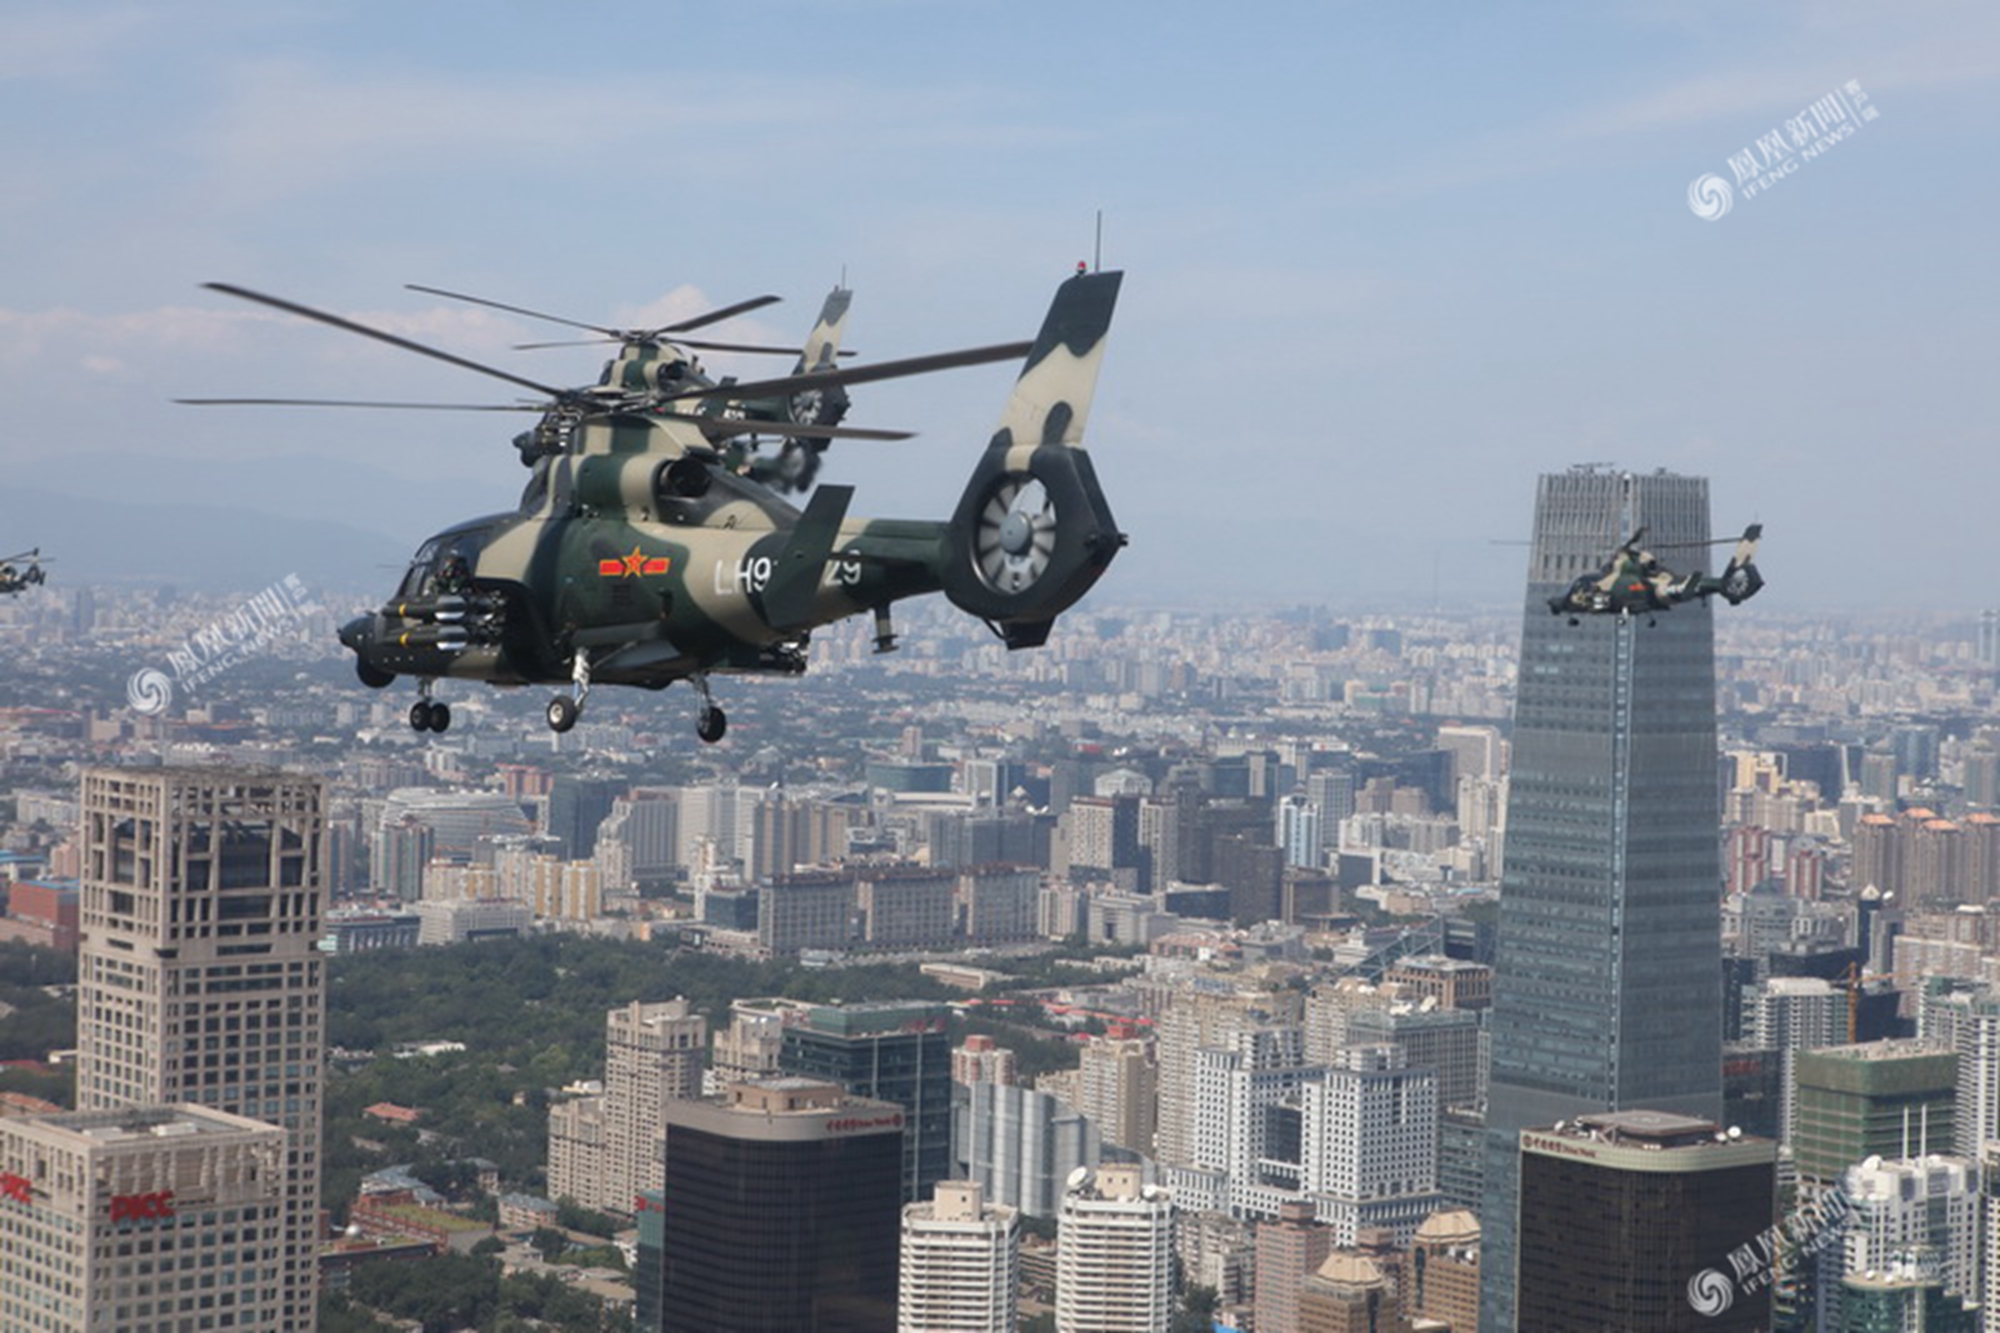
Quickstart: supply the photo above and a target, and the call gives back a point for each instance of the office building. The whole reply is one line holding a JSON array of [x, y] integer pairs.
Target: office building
[[1610, 920], [1191, 1017], [1369, 1143], [1970, 1021], [895, 1052], [1442, 1275], [1619, 1211], [1923, 1210], [1789, 1015], [997, 903], [1350, 1294], [141, 1218], [1114, 1254], [1289, 1250], [1020, 1145], [961, 1264], [1877, 1099], [199, 979], [780, 1210]]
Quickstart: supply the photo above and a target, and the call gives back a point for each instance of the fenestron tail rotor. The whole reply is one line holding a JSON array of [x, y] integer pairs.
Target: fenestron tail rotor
[[1017, 533]]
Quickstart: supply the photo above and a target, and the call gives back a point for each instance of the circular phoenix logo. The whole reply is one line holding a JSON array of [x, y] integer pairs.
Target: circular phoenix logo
[[1710, 1292], [1710, 197], [149, 691]]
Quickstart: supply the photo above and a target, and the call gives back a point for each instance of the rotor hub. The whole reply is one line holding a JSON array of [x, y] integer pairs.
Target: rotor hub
[[1017, 533]]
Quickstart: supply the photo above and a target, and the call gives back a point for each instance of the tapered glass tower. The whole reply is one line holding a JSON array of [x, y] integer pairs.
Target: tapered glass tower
[[1606, 993]]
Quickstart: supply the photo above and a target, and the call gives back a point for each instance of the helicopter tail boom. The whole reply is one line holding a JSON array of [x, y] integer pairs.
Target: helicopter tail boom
[[1033, 530]]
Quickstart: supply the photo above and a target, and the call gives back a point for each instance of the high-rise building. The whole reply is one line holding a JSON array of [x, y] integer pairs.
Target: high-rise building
[[982, 1060], [199, 979], [107, 1217], [1369, 1146], [1970, 1021], [1192, 1017], [1877, 1099], [961, 1264], [895, 1052], [1299, 831], [1789, 1015], [652, 1056], [1610, 922], [1114, 1254], [1922, 1209], [780, 1211], [1020, 1145], [1619, 1212], [1442, 1277], [605, 1151], [1289, 1251], [1118, 1089], [1350, 1294]]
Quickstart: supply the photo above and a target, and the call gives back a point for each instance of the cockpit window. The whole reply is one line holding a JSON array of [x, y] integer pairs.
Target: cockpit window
[[536, 492], [417, 580]]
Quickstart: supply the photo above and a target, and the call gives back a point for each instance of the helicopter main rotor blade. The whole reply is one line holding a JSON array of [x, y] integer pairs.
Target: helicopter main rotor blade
[[724, 427], [355, 402], [880, 370], [699, 344], [617, 335], [35, 554], [717, 316], [338, 322], [512, 309]]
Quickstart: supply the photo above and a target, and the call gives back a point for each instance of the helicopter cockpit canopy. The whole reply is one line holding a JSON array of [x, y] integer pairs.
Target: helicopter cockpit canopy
[[444, 564]]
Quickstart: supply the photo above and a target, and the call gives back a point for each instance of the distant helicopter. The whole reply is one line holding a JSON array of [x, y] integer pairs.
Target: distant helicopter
[[13, 579], [649, 361], [638, 557], [1634, 581]]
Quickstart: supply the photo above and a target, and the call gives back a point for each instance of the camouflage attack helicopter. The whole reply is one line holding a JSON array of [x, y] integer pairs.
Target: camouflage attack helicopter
[[647, 362], [13, 580], [1634, 581], [638, 557]]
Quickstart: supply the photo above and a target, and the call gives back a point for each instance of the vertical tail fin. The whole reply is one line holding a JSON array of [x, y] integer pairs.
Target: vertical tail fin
[[1033, 530]]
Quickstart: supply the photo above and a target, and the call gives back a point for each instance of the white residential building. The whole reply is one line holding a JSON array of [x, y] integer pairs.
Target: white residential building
[[1114, 1255], [961, 1263]]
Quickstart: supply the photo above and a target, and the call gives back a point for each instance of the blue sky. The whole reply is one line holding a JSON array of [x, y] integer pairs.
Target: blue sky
[[1386, 263]]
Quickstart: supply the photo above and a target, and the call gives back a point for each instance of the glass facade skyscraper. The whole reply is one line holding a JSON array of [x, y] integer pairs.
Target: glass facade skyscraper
[[1606, 991]]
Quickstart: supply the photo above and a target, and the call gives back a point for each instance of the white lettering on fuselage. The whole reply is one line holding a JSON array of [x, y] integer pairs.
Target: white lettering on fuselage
[[749, 574], [753, 574]]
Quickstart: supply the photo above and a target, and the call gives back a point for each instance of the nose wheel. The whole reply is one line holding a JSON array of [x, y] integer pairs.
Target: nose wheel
[[562, 713]]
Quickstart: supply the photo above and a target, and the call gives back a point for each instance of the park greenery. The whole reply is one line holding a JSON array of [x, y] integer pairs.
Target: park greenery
[[530, 1013]]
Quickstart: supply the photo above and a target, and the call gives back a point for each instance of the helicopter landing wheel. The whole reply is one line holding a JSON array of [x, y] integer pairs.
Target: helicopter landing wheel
[[711, 725], [429, 715], [562, 713]]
